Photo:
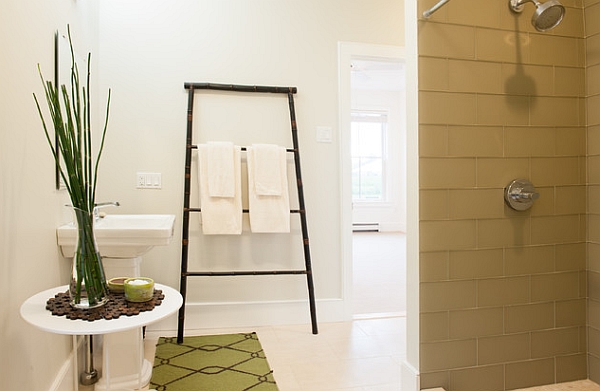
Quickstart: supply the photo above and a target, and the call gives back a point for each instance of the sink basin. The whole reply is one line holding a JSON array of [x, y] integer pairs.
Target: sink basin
[[122, 236]]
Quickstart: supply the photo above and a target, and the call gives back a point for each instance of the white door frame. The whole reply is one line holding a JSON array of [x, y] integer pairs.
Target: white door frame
[[348, 51]]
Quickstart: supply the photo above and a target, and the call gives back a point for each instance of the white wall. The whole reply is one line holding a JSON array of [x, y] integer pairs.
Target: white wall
[[30, 208], [149, 49]]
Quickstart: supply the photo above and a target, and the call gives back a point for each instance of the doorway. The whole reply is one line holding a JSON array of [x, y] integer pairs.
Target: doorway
[[372, 97]]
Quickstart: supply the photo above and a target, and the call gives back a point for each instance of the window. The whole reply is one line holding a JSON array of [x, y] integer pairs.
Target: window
[[368, 132]]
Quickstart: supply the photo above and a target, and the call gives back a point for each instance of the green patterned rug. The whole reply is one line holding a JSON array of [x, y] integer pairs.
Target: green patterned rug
[[229, 362]]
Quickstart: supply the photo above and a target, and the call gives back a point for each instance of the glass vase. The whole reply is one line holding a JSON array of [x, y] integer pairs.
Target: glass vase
[[88, 287]]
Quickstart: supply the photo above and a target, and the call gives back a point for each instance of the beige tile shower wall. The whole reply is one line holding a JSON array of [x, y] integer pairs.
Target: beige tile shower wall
[[592, 33], [503, 293]]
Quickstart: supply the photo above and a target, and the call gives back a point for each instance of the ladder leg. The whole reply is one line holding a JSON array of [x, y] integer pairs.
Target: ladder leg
[[307, 261]]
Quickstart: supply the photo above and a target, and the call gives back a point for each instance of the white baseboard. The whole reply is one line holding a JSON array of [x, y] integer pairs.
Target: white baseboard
[[248, 314], [410, 377]]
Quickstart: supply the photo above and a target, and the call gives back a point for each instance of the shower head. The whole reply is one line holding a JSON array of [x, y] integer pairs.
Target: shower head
[[546, 16]]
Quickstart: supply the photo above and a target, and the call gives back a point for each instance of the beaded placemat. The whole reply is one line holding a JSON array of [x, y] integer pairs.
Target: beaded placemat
[[116, 306]]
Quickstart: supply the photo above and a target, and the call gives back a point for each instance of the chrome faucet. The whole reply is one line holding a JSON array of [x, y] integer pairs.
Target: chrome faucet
[[97, 214]]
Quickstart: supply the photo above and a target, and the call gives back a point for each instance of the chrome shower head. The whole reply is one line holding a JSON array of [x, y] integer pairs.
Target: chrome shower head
[[546, 16]]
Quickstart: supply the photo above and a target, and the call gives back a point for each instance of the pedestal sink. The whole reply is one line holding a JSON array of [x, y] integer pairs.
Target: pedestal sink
[[122, 240], [122, 236]]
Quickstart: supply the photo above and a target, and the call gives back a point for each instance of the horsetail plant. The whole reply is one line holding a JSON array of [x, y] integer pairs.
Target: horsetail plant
[[70, 113]]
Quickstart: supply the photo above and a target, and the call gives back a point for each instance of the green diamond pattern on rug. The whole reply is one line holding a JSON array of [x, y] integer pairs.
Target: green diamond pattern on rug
[[228, 362]]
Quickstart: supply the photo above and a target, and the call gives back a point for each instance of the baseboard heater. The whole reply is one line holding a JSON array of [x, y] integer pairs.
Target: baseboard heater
[[365, 227]]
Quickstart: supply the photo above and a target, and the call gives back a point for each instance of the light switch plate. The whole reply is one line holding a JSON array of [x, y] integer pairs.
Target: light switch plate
[[324, 134]]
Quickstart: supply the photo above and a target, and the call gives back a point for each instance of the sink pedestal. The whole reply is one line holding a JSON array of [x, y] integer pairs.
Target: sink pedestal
[[124, 346]]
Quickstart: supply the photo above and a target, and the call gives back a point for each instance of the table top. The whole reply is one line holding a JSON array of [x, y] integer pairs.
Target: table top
[[34, 311]]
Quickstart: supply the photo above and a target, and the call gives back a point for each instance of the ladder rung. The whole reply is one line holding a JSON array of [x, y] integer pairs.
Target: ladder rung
[[246, 273], [243, 210], [195, 146]]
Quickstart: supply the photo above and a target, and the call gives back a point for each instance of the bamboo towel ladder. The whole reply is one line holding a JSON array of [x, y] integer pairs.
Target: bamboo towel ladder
[[192, 88]]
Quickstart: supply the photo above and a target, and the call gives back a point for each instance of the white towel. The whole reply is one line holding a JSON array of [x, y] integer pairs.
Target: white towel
[[221, 215], [268, 213], [220, 170], [267, 167]]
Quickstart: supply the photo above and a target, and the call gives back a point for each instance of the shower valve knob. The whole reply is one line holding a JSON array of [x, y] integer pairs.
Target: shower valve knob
[[520, 194]]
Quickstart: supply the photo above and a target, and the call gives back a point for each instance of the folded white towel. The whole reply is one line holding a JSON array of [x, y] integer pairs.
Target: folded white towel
[[220, 215], [266, 168], [268, 213], [220, 170]]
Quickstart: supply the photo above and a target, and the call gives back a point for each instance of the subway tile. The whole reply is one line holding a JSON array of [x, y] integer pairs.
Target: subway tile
[[592, 20], [447, 235], [553, 171], [433, 205], [485, 13], [444, 40], [481, 378], [433, 326], [499, 46], [503, 348], [555, 286], [571, 368], [439, 296], [593, 279], [529, 373], [529, 260], [434, 379], [571, 25], [557, 51], [593, 80], [476, 264], [433, 266], [594, 314], [525, 79], [446, 173], [476, 322], [544, 205], [571, 200], [593, 249], [593, 170], [508, 232], [593, 199], [433, 140], [593, 140], [433, 74], [569, 81], [494, 292], [473, 141], [555, 111], [593, 116], [571, 141], [594, 339], [593, 228], [475, 76], [447, 108], [570, 312], [448, 355], [557, 342], [571, 256], [476, 203], [498, 173], [528, 317], [592, 50], [529, 141], [502, 109], [555, 229]]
